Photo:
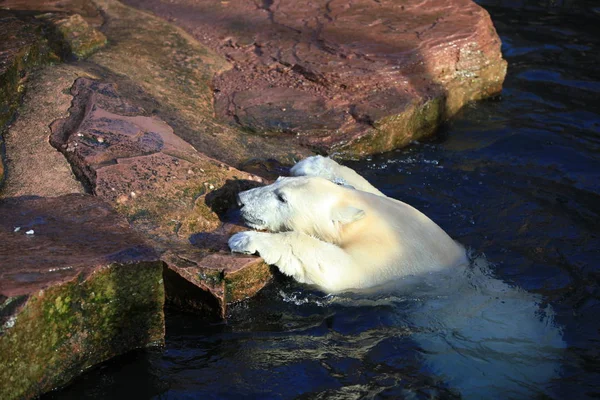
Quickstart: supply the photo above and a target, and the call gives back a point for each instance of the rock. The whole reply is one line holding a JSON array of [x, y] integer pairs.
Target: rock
[[22, 47], [35, 167], [165, 69], [77, 287], [2, 169], [171, 193], [166, 64], [85, 8], [228, 278], [76, 37], [349, 78]]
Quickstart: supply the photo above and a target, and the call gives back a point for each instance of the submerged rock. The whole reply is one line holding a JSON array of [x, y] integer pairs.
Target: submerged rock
[[77, 287], [167, 190], [349, 78]]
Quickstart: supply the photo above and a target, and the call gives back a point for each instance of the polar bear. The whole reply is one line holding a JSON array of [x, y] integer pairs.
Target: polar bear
[[329, 226], [338, 237]]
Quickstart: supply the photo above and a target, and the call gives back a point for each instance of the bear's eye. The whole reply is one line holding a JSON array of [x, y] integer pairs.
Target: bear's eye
[[281, 197]]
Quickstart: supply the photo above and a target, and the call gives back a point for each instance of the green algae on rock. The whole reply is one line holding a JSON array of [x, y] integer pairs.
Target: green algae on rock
[[77, 287], [74, 35], [22, 46], [2, 169], [229, 278]]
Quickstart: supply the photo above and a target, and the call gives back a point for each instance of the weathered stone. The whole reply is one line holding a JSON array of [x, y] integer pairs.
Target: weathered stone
[[2, 169], [76, 37], [34, 167], [349, 77], [170, 66], [22, 46], [85, 8], [170, 192], [228, 278], [77, 287]]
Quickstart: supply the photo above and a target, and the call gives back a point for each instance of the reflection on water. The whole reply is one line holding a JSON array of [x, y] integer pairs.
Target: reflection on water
[[516, 178]]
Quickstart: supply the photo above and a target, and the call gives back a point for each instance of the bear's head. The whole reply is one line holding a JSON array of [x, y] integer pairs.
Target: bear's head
[[311, 205]]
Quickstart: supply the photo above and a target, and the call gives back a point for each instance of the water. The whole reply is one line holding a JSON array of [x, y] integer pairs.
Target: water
[[516, 178]]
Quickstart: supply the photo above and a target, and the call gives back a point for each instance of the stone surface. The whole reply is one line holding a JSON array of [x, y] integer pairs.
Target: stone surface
[[177, 71], [77, 286], [348, 77], [175, 195], [85, 8], [228, 278], [22, 47], [34, 167], [77, 38], [166, 64]]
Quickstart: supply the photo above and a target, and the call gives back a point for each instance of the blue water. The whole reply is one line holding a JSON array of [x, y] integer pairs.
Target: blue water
[[516, 178]]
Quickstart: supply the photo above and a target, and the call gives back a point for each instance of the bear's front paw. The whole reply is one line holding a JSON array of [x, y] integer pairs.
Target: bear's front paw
[[243, 242]]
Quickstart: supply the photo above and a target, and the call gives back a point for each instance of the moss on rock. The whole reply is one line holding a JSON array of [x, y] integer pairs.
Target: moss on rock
[[22, 46], [246, 282], [420, 119], [78, 288], [73, 35], [65, 329]]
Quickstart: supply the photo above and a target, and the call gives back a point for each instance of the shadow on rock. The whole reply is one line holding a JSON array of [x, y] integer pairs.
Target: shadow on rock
[[223, 201], [267, 168]]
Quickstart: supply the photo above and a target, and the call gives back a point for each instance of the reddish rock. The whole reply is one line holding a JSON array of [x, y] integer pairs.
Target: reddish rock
[[171, 73], [228, 278], [70, 23], [349, 77], [170, 192], [22, 47], [34, 167], [85, 8], [77, 287]]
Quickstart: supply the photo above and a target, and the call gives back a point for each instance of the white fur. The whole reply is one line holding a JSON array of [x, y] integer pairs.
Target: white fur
[[478, 334], [341, 238], [326, 168]]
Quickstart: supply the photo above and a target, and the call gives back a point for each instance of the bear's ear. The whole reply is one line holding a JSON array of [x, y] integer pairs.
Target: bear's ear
[[346, 215]]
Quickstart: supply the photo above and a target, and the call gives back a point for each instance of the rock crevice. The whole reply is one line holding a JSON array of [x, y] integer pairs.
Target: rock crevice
[[174, 195]]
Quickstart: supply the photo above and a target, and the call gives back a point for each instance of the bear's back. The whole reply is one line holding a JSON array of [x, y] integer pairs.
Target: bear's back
[[421, 245]]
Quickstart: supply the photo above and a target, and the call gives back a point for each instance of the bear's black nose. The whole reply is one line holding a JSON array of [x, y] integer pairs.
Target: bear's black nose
[[239, 200]]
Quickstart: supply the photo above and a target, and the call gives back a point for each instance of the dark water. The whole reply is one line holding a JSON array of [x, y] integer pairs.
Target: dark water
[[516, 178]]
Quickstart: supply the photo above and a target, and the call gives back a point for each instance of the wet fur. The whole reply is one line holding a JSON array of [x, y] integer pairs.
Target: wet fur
[[341, 238], [478, 334]]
